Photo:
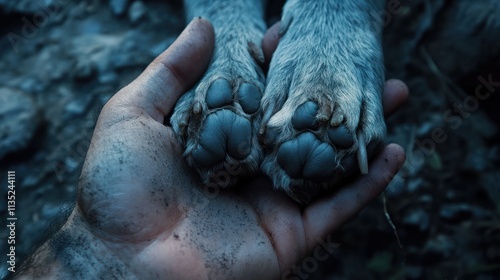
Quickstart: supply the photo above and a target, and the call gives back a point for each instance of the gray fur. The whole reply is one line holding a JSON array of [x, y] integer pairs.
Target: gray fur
[[239, 27], [329, 56]]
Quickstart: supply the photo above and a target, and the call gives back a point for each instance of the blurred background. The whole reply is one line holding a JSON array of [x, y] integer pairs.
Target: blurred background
[[61, 60]]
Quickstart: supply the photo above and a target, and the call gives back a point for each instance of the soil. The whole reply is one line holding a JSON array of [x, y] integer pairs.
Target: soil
[[61, 60]]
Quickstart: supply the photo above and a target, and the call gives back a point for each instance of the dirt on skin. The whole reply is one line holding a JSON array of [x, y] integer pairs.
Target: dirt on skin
[[68, 57]]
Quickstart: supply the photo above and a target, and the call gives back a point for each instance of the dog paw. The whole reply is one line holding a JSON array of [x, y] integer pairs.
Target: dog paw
[[217, 122], [322, 106]]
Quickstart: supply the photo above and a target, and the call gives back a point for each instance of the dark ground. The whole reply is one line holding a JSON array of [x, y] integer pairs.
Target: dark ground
[[57, 71]]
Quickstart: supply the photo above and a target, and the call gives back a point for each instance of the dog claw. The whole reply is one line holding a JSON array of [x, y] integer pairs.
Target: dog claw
[[324, 113], [184, 121], [338, 117], [197, 108], [265, 119], [336, 120], [256, 52], [362, 156]]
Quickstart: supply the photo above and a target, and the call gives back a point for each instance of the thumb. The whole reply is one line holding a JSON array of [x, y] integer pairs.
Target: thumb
[[170, 75]]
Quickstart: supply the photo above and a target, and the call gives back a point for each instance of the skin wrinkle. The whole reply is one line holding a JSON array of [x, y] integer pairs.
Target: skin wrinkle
[[153, 91], [179, 78], [107, 122], [136, 123], [174, 216]]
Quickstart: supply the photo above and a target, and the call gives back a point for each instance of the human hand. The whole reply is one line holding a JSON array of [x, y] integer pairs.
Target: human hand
[[143, 213]]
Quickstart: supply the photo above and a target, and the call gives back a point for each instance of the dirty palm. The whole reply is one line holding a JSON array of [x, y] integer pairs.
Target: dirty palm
[[317, 116]]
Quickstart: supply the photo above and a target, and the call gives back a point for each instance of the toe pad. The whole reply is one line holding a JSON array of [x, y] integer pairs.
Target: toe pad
[[307, 157], [249, 98], [219, 94], [341, 137], [305, 116]]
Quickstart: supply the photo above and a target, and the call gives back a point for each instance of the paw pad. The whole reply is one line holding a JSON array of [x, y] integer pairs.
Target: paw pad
[[341, 137], [307, 157], [219, 94], [223, 132], [249, 98], [305, 116]]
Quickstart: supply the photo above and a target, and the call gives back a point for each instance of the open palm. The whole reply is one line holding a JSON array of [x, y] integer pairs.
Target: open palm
[[149, 210]]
